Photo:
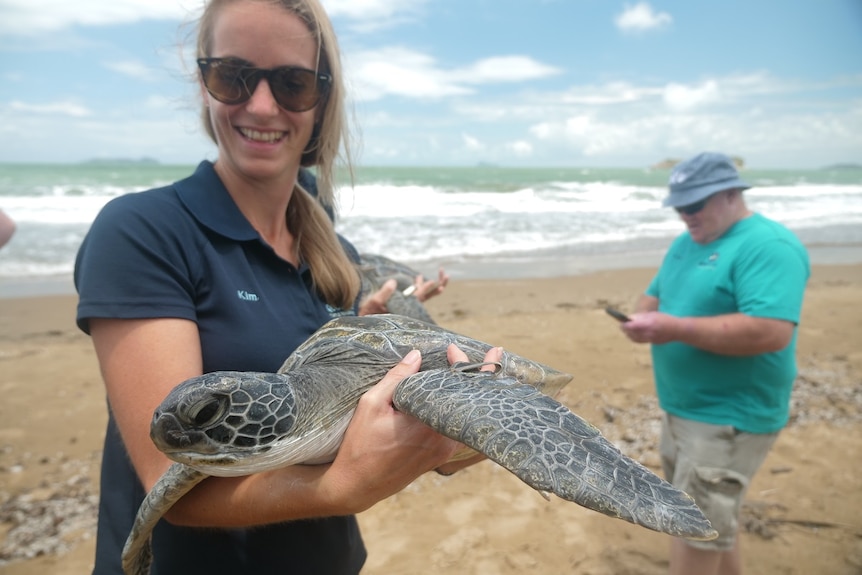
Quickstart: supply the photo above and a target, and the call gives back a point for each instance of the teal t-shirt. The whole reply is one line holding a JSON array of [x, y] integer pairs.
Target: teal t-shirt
[[759, 268]]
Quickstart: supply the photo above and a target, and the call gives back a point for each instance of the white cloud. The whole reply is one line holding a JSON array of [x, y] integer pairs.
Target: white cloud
[[641, 17], [159, 103], [34, 17], [471, 143], [678, 96], [370, 15], [504, 69], [521, 148], [681, 97], [776, 139], [398, 71], [374, 74], [57, 108], [638, 124], [578, 126], [607, 94], [133, 69]]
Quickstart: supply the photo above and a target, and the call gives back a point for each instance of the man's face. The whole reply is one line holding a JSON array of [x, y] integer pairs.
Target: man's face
[[714, 217]]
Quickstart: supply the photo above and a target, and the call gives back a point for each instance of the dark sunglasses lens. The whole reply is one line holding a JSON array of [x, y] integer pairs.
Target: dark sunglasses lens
[[295, 89], [692, 209], [229, 83]]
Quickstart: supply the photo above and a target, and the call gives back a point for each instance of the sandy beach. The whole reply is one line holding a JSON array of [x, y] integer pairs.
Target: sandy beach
[[803, 514]]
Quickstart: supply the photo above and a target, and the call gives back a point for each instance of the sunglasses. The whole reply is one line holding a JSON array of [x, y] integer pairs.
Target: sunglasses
[[233, 81], [692, 209]]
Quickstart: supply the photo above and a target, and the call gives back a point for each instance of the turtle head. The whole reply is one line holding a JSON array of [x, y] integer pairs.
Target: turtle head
[[217, 421]]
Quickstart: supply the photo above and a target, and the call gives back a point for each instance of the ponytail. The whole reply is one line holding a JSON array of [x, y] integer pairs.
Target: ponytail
[[335, 277]]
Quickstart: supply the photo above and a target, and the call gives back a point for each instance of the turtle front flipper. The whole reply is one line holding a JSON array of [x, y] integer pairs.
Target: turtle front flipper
[[548, 447], [176, 482]]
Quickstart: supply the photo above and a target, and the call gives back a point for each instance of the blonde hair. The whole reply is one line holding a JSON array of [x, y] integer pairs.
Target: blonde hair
[[334, 275]]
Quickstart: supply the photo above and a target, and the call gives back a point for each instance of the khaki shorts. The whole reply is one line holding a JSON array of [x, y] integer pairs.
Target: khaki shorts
[[714, 464]]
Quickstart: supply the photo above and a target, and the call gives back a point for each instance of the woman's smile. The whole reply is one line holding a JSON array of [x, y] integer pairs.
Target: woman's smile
[[264, 136]]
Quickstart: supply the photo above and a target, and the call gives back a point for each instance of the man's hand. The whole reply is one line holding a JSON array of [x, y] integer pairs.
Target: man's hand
[[376, 302], [650, 327], [425, 290]]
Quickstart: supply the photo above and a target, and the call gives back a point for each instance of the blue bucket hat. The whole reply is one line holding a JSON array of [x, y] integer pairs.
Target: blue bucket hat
[[700, 177]]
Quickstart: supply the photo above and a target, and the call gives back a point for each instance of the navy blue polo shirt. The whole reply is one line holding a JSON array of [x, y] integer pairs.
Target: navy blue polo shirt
[[186, 251]]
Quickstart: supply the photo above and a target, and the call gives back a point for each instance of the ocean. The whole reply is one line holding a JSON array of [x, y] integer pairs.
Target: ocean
[[477, 222]]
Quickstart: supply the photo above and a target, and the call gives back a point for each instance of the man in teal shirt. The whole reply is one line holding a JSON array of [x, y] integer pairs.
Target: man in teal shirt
[[721, 315]]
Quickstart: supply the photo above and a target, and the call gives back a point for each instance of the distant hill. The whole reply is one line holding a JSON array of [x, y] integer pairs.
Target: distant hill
[[669, 163], [844, 166], [666, 164]]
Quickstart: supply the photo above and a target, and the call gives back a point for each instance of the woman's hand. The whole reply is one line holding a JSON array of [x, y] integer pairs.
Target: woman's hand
[[383, 449]]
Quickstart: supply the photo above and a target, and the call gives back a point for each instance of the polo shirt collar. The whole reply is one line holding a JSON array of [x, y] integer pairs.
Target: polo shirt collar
[[208, 200]]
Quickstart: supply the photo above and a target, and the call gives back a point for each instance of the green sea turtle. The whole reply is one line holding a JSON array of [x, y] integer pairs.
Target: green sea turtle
[[375, 270], [239, 423]]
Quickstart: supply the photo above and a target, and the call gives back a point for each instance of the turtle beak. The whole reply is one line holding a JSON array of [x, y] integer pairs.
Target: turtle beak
[[170, 436]]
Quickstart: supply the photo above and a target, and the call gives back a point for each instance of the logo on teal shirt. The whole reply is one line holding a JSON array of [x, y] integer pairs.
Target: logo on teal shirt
[[709, 262]]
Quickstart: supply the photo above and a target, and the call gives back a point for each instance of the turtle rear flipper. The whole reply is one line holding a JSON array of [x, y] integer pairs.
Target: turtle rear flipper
[[548, 447]]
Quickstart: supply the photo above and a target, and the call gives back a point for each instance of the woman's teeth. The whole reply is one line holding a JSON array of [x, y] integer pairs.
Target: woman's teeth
[[267, 137]]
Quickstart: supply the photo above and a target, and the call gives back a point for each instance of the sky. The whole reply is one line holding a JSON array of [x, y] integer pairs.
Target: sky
[[568, 83]]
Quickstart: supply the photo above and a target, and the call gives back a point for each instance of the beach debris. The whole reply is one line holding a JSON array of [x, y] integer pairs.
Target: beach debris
[[818, 396], [52, 518], [763, 519]]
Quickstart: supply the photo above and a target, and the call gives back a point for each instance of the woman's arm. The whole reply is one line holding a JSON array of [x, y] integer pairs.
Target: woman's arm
[[141, 361], [382, 452]]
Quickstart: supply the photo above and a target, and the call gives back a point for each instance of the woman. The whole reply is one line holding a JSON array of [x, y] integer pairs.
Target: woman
[[232, 268]]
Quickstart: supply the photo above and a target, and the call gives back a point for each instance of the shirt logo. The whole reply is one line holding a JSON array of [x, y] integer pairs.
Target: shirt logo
[[710, 262], [246, 296]]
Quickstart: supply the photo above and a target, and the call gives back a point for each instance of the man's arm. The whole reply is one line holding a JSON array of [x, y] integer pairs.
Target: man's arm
[[734, 334], [646, 303]]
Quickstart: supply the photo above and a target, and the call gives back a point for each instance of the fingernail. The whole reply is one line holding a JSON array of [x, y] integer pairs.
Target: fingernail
[[412, 357]]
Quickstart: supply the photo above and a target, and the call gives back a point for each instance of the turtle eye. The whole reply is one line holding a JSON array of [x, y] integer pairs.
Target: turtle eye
[[207, 411]]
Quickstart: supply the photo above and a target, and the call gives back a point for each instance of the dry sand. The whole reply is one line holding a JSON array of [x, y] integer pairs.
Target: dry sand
[[803, 514]]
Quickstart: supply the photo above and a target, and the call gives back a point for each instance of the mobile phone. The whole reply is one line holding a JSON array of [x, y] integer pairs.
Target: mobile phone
[[617, 314]]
